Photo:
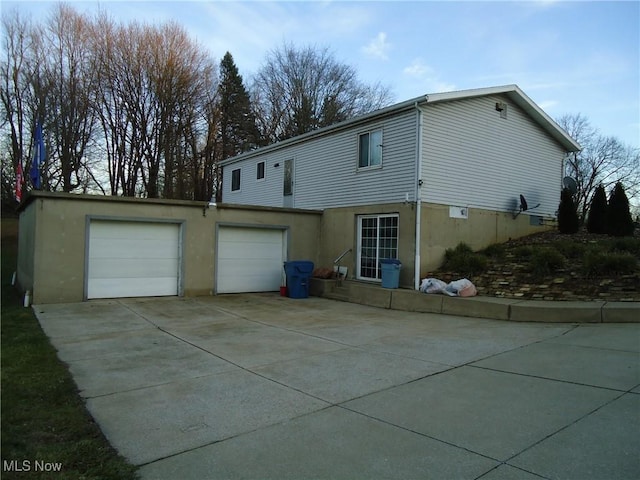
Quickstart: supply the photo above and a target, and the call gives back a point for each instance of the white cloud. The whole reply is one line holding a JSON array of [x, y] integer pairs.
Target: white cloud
[[425, 78], [378, 47], [417, 69]]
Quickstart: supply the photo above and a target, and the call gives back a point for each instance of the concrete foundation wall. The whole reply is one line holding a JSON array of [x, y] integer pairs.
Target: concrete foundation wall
[[339, 231], [26, 250], [438, 232], [53, 232], [482, 228]]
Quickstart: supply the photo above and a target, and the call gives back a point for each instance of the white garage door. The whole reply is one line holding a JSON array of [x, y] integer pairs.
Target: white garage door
[[249, 259], [133, 259]]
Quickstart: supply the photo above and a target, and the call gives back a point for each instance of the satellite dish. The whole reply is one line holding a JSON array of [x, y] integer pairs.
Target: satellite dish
[[570, 184]]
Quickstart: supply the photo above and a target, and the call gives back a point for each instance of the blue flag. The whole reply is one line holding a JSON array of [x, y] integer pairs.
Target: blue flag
[[38, 157]]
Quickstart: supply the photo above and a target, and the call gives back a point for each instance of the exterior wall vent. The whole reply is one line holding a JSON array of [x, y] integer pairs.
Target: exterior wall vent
[[502, 108]]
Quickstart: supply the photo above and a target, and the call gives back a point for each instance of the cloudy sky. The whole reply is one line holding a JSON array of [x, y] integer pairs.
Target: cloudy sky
[[569, 57]]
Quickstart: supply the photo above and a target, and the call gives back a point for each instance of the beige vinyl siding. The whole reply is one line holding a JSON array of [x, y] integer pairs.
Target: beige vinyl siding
[[326, 171], [473, 157]]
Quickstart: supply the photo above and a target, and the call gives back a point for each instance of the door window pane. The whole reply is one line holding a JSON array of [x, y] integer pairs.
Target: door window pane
[[288, 177], [378, 240]]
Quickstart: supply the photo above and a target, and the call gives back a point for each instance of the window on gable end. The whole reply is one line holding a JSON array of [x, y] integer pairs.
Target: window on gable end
[[235, 180], [370, 149]]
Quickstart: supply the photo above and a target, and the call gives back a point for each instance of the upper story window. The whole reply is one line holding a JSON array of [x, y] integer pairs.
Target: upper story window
[[370, 149], [235, 180], [260, 171]]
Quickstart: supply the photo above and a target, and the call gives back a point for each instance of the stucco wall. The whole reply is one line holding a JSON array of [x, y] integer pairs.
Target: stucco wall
[[438, 232], [482, 228], [56, 225], [26, 249], [339, 232]]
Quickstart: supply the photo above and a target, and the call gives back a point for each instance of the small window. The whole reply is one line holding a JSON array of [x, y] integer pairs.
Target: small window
[[288, 178], [235, 180], [370, 149], [260, 171]]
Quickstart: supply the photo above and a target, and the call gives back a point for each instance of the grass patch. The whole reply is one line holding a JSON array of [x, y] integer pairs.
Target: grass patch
[[43, 418], [545, 260], [523, 252], [496, 251], [570, 249], [598, 262], [625, 245], [464, 261]]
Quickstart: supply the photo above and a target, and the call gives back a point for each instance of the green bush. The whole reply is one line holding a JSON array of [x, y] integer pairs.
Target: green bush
[[568, 221], [464, 261], [619, 221], [495, 251], [570, 249], [545, 261], [597, 262], [523, 252], [597, 221], [625, 244]]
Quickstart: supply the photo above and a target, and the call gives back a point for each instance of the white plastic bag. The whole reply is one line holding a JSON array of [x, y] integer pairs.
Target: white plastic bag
[[432, 285], [461, 288]]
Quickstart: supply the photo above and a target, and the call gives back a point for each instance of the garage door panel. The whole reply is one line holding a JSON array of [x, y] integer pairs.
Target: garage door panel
[[232, 252], [126, 287], [105, 229], [132, 268], [249, 259], [133, 248], [133, 259]]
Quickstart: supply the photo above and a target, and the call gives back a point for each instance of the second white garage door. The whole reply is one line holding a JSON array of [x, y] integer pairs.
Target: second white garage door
[[250, 259], [133, 259]]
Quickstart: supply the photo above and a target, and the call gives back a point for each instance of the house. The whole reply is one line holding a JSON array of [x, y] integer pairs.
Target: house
[[413, 179], [405, 182]]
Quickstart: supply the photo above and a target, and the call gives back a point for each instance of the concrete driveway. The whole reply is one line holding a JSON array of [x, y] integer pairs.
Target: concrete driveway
[[261, 386]]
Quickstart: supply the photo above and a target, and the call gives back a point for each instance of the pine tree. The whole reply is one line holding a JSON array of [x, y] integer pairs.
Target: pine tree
[[568, 221], [619, 221], [598, 212], [237, 125]]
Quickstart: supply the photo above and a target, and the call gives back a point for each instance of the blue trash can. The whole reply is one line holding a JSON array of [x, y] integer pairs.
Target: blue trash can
[[298, 275], [390, 272]]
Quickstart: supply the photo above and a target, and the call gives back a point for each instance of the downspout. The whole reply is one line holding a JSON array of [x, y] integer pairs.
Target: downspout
[[418, 197]]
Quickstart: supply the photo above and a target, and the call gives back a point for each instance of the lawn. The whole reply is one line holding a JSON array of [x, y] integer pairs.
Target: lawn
[[46, 429]]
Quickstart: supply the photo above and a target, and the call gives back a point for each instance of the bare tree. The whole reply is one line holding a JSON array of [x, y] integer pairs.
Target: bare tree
[[299, 90], [22, 95], [603, 160], [69, 112]]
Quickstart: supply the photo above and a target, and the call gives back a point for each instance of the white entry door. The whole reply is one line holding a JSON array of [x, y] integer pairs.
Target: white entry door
[[250, 259], [133, 259]]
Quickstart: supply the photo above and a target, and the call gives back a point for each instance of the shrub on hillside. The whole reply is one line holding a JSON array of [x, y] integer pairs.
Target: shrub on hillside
[[523, 252], [570, 248], [597, 262], [598, 211], [464, 261], [619, 221], [625, 244], [568, 221], [495, 251], [545, 261]]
